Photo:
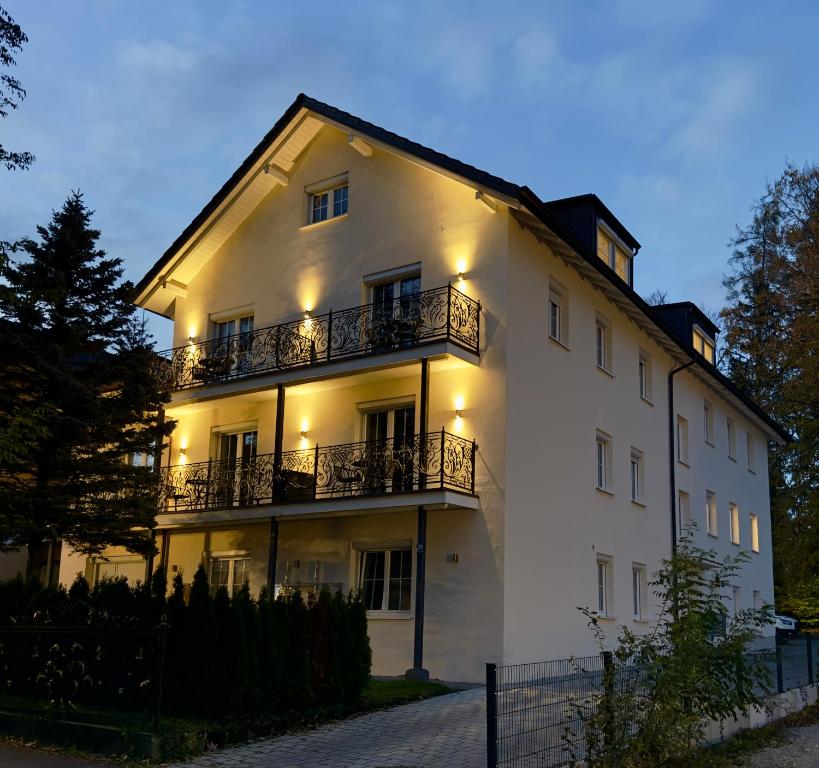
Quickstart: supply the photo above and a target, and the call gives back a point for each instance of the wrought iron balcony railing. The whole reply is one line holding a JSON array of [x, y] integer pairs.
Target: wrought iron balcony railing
[[441, 314], [438, 460]]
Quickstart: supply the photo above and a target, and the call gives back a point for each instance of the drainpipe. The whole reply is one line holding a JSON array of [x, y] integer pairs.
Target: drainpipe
[[672, 459]]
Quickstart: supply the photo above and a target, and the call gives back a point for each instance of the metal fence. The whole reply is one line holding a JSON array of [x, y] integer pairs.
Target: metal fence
[[100, 675], [534, 711]]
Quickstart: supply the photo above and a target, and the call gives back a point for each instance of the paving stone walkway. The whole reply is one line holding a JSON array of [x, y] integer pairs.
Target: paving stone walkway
[[443, 732]]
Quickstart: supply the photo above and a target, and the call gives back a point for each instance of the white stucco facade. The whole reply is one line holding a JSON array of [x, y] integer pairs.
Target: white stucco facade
[[508, 563]]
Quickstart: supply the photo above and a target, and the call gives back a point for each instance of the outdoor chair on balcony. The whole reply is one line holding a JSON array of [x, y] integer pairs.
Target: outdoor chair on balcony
[[346, 479]]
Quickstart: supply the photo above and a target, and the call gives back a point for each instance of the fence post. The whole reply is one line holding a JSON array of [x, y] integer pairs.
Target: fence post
[[607, 703], [315, 471], [811, 670], [443, 449], [780, 684], [491, 716], [162, 632]]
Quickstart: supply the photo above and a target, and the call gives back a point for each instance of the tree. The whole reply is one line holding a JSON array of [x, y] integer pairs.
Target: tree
[[77, 384], [12, 92], [662, 688], [772, 351]]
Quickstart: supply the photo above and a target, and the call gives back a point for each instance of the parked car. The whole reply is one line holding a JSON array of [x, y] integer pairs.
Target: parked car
[[785, 625]]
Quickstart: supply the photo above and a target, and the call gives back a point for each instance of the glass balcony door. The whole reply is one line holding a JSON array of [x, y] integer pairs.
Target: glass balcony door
[[390, 436], [396, 313], [236, 454], [231, 350]]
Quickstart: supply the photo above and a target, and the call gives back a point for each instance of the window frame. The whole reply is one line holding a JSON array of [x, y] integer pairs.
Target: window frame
[[603, 462], [711, 514], [639, 583], [637, 483], [702, 343], [603, 354], [387, 549], [734, 522], [231, 557], [731, 429], [645, 376], [615, 245], [683, 506], [754, 532], [682, 440], [708, 422], [559, 298], [332, 188], [604, 579]]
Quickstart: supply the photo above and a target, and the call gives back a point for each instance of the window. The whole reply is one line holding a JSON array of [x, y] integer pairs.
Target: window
[[386, 579], [733, 511], [558, 312], [758, 603], [750, 448], [603, 469], [636, 475], [603, 343], [683, 509], [732, 440], [328, 203], [682, 439], [737, 599], [703, 344], [228, 571], [230, 352], [708, 421], [616, 255], [711, 513], [604, 577], [645, 377], [142, 459], [754, 533], [638, 591], [395, 310]]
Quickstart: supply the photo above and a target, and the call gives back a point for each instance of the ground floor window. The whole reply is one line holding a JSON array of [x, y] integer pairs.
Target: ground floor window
[[228, 572], [131, 568], [386, 579]]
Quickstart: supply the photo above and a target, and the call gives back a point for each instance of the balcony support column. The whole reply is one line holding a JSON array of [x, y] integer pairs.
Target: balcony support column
[[272, 557], [423, 424], [279, 438], [418, 672]]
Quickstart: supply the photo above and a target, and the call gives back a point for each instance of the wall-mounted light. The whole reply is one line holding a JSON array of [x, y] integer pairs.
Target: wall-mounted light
[[308, 313], [191, 339], [461, 267], [183, 455], [459, 406], [305, 429]]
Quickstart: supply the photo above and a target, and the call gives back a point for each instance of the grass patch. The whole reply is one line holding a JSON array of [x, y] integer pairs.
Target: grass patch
[[387, 693]]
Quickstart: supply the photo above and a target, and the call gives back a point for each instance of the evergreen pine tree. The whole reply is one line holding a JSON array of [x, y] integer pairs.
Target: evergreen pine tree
[[77, 384]]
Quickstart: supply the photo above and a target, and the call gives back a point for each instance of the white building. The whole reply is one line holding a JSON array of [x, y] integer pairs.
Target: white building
[[396, 372]]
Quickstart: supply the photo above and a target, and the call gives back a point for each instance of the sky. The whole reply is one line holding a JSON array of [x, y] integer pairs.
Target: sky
[[675, 114]]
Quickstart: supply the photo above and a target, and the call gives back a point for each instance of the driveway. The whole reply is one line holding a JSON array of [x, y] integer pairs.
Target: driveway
[[442, 732]]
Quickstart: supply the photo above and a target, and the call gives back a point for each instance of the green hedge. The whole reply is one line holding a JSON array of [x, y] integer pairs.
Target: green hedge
[[223, 656]]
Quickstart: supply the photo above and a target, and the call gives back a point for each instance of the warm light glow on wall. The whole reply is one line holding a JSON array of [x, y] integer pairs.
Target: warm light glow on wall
[[459, 412], [305, 431], [183, 450], [192, 333], [460, 266]]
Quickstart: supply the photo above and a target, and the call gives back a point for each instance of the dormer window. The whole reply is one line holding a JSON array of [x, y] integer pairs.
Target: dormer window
[[703, 344], [614, 253]]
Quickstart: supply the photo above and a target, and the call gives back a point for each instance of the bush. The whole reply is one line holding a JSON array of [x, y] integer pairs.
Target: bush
[[223, 656], [662, 688]]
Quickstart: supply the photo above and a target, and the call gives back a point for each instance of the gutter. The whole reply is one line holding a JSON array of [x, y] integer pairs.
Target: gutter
[[672, 460]]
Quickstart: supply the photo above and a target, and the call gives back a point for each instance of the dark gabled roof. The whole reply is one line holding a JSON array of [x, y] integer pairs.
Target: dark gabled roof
[[602, 212], [356, 125], [546, 212]]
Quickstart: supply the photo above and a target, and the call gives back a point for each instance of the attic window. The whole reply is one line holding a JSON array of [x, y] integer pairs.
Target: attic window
[[703, 344], [328, 200], [616, 255]]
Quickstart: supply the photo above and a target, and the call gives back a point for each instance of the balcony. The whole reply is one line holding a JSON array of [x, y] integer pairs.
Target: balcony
[[435, 461], [440, 314]]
